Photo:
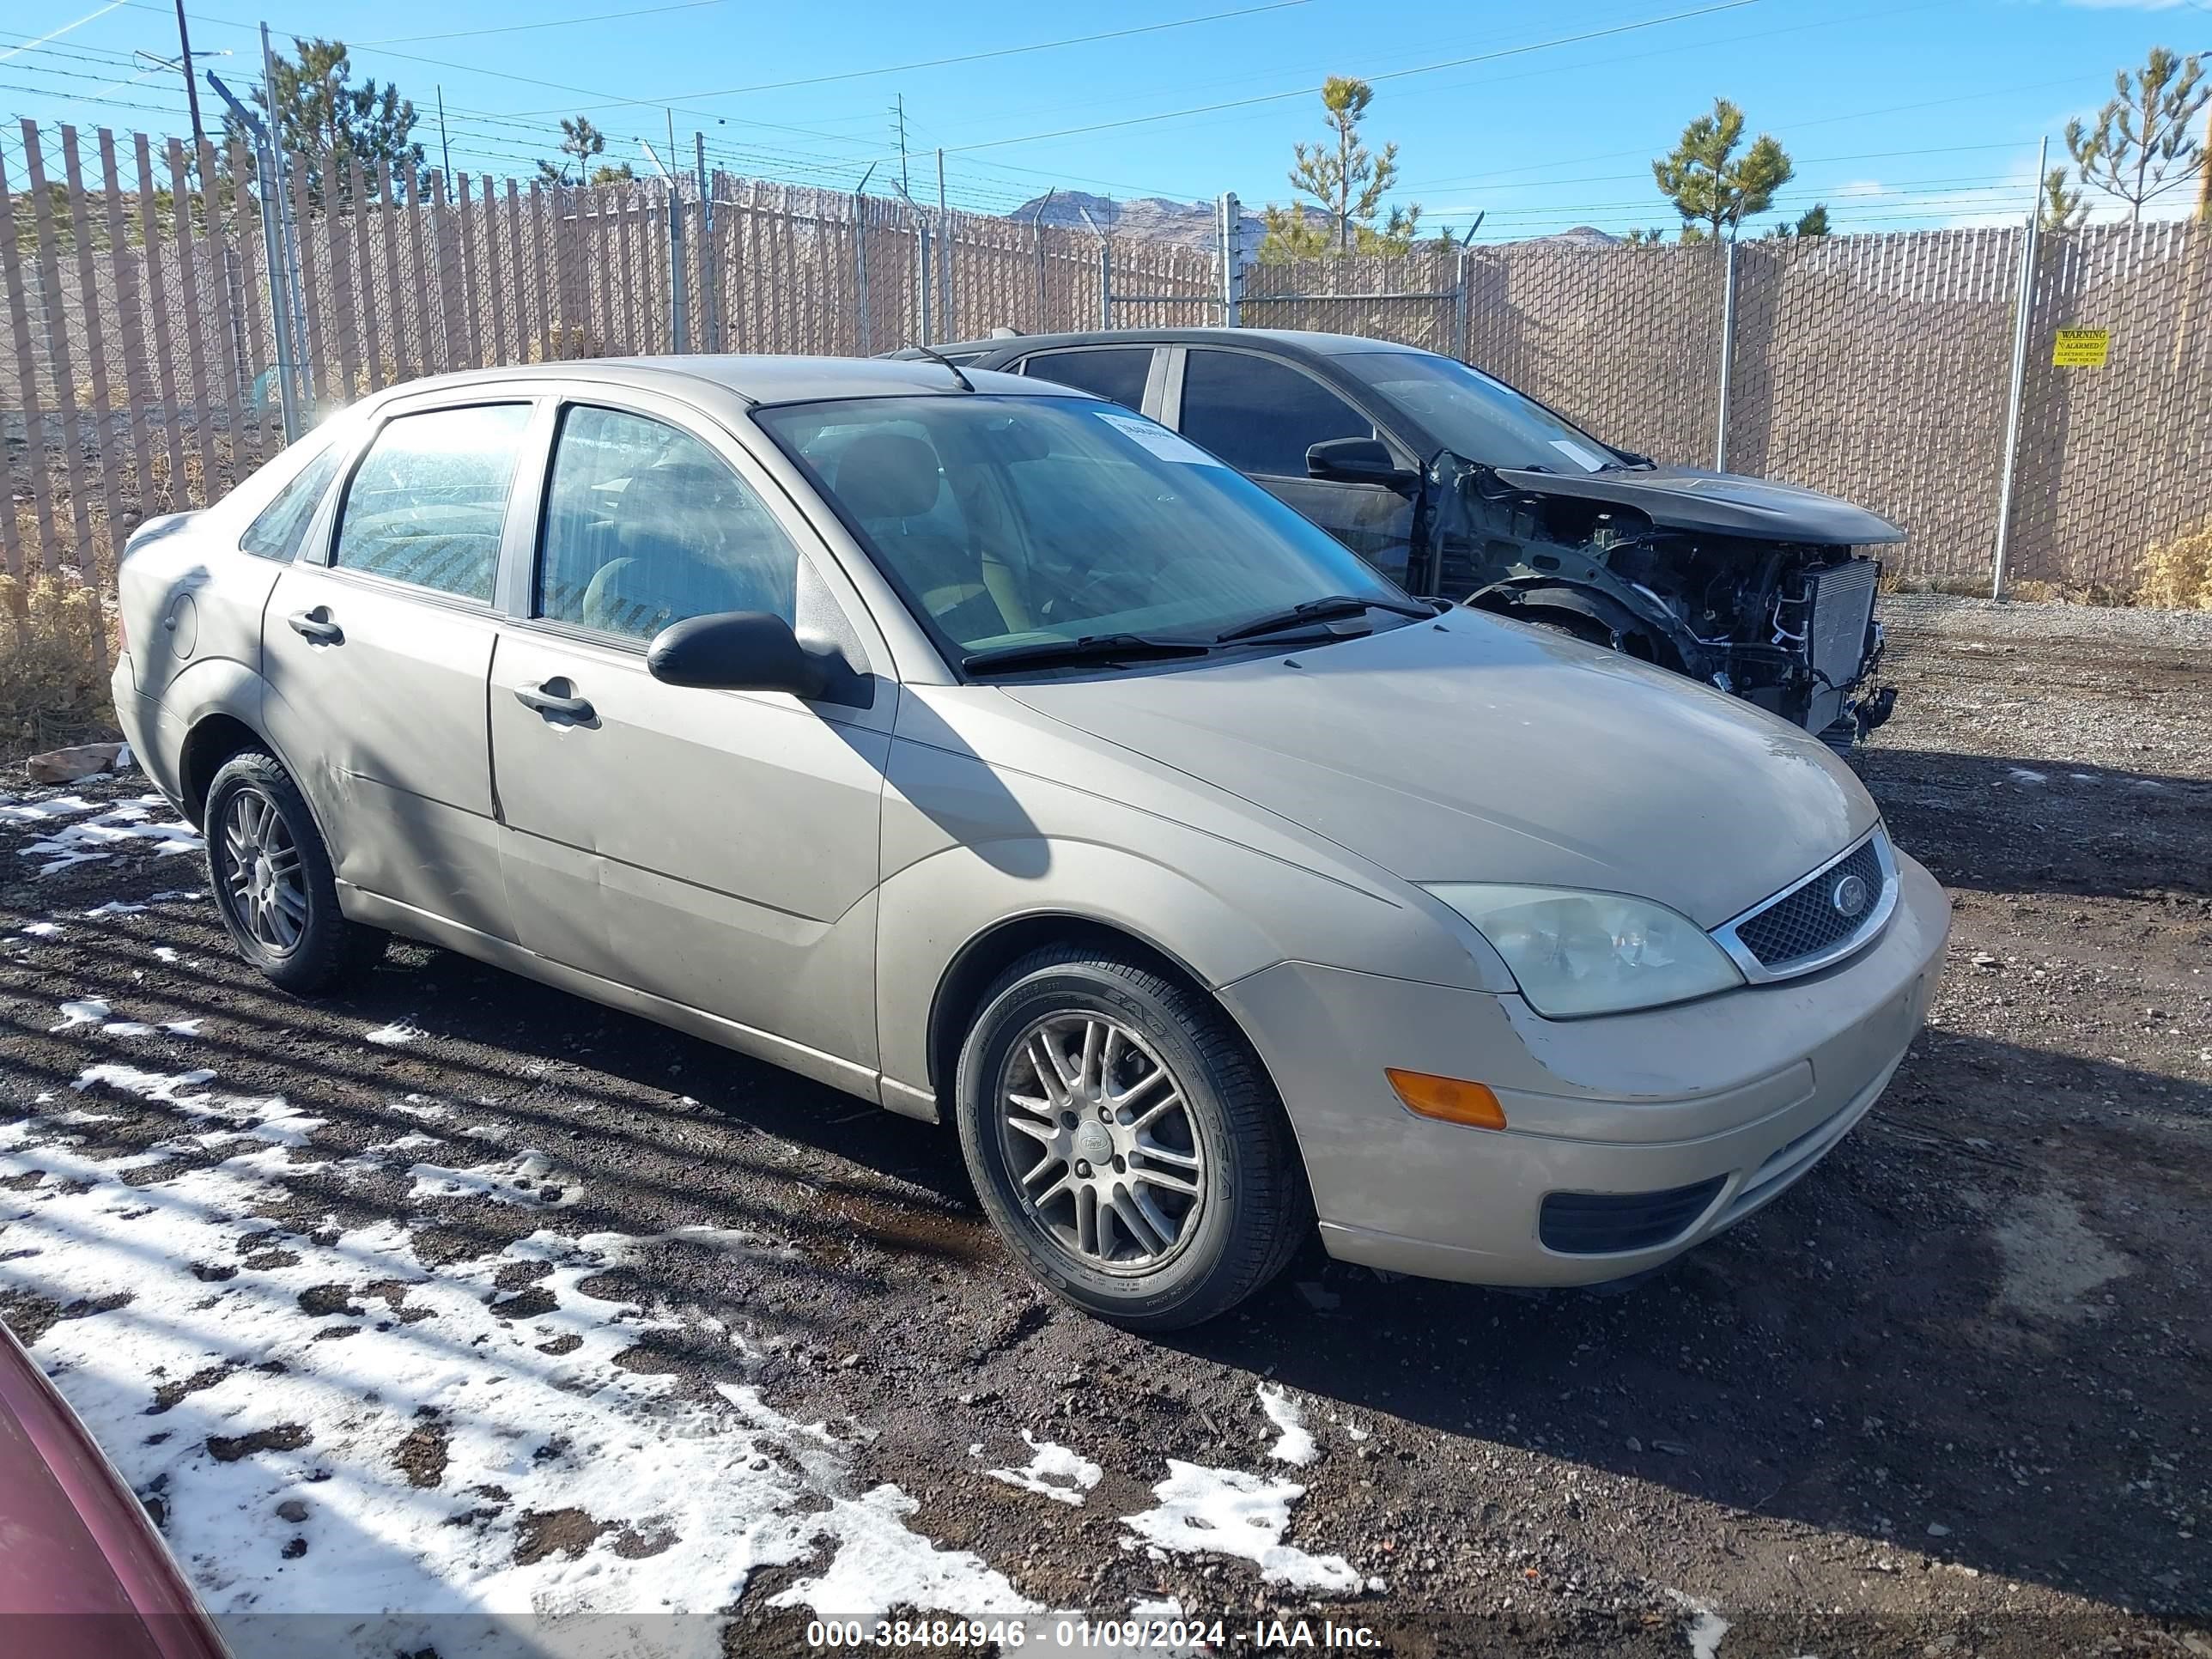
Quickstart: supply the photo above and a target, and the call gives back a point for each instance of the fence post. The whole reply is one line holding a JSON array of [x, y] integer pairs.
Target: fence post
[[1105, 282], [2023, 308], [921, 272], [680, 316], [1727, 358], [710, 250], [1228, 239], [1462, 323], [860, 272]]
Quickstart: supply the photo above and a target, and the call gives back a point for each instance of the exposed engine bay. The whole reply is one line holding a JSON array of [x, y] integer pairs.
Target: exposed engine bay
[[1732, 581]]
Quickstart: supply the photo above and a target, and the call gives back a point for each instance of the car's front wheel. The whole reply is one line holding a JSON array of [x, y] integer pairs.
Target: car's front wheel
[[272, 879], [1125, 1141]]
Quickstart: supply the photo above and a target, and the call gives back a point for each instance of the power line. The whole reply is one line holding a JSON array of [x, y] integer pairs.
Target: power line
[[963, 58], [1392, 75], [550, 23]]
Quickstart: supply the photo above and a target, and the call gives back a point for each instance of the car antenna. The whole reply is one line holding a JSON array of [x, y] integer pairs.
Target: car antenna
[[966, 385]]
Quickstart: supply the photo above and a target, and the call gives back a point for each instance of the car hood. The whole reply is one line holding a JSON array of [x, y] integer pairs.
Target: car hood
[[1475, 748], [1723, 503]]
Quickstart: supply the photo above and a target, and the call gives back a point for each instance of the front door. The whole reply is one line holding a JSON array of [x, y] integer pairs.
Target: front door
[[715, 849], [377, 663], [1260, 415]]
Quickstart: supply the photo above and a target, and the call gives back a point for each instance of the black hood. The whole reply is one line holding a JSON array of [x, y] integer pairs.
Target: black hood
[[1719, 504]]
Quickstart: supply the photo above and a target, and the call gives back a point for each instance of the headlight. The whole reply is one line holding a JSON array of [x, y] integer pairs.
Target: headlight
[[1591, 953]]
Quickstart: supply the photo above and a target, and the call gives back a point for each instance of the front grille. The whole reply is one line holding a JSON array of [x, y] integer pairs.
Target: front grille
[[1809, 921], [1607, 1224], [1843, 605]]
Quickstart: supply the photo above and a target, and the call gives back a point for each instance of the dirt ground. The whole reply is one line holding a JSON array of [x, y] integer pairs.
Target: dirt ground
[[1947, 1396]]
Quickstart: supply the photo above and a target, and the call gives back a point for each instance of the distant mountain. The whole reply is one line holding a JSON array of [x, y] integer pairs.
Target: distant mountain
[[1157, 219], [1146, 219], [1586, 235]]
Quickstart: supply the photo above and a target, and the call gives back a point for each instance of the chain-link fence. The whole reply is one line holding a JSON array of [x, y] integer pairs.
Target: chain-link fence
[[167, 319], [1875, 368]]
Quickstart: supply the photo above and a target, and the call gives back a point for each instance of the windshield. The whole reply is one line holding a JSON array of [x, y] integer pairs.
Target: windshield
[[1478, 418], [1008, 521]]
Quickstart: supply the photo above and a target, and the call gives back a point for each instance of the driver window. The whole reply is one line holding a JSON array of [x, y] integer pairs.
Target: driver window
[[645, 525]]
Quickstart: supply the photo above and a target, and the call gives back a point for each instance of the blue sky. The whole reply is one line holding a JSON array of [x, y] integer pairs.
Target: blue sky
[[1899, 112]]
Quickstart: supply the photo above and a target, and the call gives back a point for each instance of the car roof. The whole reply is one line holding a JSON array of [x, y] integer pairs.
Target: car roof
[[1289, 342], [758, 380]]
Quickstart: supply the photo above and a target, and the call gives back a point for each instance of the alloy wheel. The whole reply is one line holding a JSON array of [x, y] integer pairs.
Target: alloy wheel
[[1104, 1151], [268, 887]]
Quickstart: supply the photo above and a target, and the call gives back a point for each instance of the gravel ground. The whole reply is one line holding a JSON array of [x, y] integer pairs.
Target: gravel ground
[[1947, 1396]]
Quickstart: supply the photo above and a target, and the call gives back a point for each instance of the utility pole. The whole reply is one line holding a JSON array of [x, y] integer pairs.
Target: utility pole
[[191, 89], [2204, 177], [898, 125], [445, 149]]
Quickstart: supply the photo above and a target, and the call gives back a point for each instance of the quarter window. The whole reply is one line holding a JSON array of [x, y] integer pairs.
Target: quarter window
[[283, 525], [1116, 373], [428, 502], [1260, 415], [645, 526]]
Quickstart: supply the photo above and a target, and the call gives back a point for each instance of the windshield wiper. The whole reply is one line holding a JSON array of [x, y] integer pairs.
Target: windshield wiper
[[1322, 609], [1091, 647]]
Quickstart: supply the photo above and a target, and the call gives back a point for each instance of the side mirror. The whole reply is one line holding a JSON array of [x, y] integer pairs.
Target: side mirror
[[1356, 460], [735, 651]]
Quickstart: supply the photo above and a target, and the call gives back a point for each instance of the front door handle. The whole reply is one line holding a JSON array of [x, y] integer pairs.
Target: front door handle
[[316, 626], [554, 706]]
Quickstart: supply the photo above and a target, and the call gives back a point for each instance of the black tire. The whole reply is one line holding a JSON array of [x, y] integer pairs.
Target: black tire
[[1253, 1210], [328, 951]]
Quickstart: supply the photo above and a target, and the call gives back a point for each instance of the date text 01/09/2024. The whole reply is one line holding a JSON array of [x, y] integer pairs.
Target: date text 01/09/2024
[[1077, 1635]]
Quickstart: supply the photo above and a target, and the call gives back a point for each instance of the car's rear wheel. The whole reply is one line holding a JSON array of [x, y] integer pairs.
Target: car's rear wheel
[[1125, 1142], [272, 880]]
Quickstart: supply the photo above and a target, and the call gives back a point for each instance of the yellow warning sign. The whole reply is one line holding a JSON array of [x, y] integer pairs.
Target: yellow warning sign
[[2081, 347]]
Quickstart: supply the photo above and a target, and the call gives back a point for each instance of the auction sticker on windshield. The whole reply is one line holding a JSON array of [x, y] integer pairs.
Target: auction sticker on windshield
[[1157, 439], [1581, 454]]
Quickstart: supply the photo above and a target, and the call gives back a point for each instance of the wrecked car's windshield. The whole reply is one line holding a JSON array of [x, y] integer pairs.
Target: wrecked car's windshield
[[1475, 417]]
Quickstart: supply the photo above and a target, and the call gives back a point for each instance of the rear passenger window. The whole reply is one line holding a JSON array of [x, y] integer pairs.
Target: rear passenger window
[[1260, 415], [645, 525], [1114, 373], [428, 504], [283, 525]]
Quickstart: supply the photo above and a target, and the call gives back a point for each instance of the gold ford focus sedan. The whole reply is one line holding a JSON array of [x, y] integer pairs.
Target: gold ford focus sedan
[[987, 750]]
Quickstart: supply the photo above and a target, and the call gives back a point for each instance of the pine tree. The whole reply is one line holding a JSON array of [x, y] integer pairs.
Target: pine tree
[[2060, 209], [325, 123], [2144, 144], [1712, 187], [1810, 224], [1348, 181], [580, 142]]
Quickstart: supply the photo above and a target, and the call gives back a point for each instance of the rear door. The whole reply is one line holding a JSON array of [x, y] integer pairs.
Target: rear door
[[1261, 415], [378, 652], [1127, 374], [716, 848]]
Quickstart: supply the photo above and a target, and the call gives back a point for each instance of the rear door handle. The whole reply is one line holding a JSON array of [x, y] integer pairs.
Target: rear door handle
[[316, 625], [554, 706]]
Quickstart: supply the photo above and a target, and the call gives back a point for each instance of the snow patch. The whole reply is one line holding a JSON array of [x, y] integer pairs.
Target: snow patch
[[524, 1180], [1706, 1626], [1295, 1443], [508, 1418], [1053, 1472], [1205, 1512], [41, 929], [54, 806], [391, 1036], [85, 1011], [183, 1028], [2022, 775], [96, 838]]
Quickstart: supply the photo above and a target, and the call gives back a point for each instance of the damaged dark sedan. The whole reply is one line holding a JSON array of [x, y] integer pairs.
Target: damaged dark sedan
[[1456, 485]]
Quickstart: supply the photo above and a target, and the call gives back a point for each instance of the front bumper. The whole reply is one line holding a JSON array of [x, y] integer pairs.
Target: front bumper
[[1748, 1089]]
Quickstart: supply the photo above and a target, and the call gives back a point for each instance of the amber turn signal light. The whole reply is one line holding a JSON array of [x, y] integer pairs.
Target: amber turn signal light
[[1449, 1099]]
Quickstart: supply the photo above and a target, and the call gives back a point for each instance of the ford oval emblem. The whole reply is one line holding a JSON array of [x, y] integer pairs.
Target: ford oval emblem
[[1849, 896]]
